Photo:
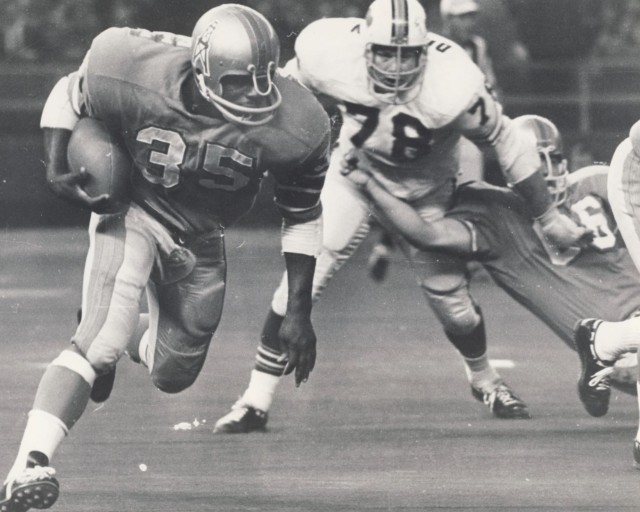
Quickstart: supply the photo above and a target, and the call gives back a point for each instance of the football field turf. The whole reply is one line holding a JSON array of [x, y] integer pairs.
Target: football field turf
[[386, 422]]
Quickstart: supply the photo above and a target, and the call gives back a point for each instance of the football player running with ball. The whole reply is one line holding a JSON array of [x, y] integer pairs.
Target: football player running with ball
[[203, 119], [559, 287], [407, 97]]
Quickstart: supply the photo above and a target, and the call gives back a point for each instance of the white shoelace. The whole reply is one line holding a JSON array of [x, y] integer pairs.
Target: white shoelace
[[30, 475], [505, 396], [600, 381], [238, 410]]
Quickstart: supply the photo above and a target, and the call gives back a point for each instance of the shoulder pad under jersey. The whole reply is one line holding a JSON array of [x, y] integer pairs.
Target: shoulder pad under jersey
[[451, 83], [330, 51], [301, 125]]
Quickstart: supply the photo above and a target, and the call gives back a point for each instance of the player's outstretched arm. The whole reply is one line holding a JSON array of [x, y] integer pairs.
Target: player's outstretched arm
[[296, 332], [557, 228], [446, 234]]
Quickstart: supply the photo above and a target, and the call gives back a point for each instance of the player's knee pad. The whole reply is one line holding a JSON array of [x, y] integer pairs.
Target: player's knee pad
[[170, 377], [454, 307], [178, 359]]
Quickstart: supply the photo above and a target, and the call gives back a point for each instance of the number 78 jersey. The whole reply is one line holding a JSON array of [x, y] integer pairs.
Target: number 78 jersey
[[412, 147]]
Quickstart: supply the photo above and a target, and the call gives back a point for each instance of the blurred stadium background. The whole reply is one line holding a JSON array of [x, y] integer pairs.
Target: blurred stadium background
[[574, 61]]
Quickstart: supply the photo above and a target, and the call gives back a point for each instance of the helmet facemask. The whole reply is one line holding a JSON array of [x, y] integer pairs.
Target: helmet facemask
[[263, 89], [396, 40], [555, 172], [548, 142], [394, 82]]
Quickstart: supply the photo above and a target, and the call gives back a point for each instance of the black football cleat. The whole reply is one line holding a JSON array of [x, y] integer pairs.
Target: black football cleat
[[594, 383], [241, 420], [35, 487], [502, 402]]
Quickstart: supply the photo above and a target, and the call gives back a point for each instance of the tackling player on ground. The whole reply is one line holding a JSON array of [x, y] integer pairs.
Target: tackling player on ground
[[559, 287], [203, 119], [602, 341], [407, 97]]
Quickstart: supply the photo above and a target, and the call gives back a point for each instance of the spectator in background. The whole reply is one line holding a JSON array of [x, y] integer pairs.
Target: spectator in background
[[620, 32], [459, 23], [20, 24], [129, 13], [71, 25]]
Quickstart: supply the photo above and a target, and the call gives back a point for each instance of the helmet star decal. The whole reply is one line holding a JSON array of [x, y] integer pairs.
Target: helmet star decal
[[201, 49]]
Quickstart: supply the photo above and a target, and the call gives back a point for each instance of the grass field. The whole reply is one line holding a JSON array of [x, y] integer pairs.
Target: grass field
[[386, 422]]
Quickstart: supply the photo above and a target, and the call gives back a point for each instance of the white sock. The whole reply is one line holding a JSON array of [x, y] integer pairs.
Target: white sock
[[616, 338], [43, 433], [260, 392], [480, 373]]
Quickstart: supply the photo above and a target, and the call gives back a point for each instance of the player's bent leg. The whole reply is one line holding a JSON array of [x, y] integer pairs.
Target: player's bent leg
[[448, 295], [184, 316], [119, 262]]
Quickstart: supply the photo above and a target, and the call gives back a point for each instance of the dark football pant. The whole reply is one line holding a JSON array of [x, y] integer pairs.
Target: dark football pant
[[130, 253]]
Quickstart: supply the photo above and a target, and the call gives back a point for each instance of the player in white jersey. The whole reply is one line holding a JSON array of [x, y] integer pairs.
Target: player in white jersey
[[407, 97], [601, 343]]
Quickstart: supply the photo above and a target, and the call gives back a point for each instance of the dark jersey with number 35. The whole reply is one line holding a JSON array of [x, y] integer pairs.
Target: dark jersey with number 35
[[197, 172], [598, 281]]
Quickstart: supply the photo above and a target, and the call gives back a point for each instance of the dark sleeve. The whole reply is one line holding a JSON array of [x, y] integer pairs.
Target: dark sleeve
[[298, 187]]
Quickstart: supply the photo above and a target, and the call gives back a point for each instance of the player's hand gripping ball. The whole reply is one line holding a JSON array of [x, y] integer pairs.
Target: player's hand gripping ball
[[105, 161]]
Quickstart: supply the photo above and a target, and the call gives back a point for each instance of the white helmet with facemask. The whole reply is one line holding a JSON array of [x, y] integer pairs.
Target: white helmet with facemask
[[399, 26]]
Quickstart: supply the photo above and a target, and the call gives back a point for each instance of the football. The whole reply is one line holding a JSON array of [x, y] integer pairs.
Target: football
[[106, 160]]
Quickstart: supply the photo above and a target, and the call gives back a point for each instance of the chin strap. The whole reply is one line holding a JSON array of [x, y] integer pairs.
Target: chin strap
[[238, 113]]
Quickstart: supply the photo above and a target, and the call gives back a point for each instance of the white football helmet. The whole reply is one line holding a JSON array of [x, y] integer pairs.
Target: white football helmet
[[235, 40], [398, 25], [550, 149]]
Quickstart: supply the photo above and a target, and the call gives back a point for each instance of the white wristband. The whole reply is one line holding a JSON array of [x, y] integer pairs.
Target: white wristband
[[302, 237]]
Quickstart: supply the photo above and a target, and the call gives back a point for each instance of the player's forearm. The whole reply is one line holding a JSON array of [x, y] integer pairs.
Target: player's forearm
[[535, 192], [300, 269], [56, 141], [444, 234]]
